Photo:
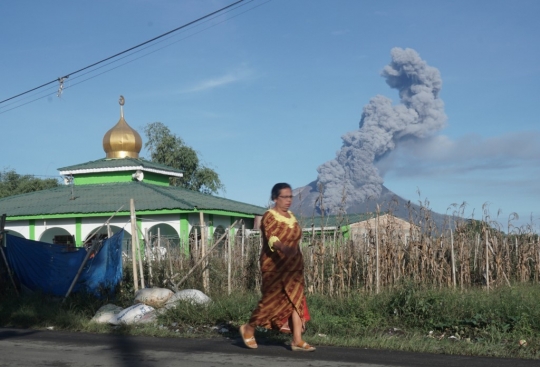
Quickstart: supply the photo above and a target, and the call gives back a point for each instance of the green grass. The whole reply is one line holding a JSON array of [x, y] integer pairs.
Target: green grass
[[409, 318]]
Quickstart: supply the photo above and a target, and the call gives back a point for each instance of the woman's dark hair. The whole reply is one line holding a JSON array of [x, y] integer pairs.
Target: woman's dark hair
[[277, 188]]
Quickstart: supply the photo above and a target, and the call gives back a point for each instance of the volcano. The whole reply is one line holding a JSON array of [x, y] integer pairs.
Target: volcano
[[307, 203]]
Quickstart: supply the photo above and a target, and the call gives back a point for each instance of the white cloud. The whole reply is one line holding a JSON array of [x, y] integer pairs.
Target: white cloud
[[240, 74], [441, 155]]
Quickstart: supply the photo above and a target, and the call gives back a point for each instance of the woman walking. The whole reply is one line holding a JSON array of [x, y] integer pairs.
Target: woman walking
[[282, 267]]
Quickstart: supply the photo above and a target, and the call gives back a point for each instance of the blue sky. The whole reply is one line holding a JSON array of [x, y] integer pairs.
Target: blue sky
[[265, 92]]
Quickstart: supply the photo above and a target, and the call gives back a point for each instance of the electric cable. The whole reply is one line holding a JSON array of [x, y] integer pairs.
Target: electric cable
[[48, 94], [123, 52]]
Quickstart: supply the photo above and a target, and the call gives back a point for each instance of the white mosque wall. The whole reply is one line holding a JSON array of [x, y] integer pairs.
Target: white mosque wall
[[91, 224], [42, 225], [172, 220], [19, 226]]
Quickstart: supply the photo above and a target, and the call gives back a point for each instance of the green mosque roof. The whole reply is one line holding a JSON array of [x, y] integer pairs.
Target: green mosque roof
[[109, 197], [120, 164]]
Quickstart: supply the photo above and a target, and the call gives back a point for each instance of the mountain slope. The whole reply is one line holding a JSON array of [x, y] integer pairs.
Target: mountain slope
[[306, 203]]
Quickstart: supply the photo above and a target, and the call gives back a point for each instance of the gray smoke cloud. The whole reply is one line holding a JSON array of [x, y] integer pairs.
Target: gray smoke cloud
[[352, 176]]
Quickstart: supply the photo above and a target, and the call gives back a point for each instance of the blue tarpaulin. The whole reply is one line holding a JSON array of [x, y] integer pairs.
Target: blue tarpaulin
[[51, 268]]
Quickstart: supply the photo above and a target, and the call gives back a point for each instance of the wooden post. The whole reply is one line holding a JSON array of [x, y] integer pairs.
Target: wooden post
[[2, 241], [452, 257], [140, 256], [202, 259], [487, 262], [92, 250], [229, 257], [243, 236], [148, 241], [205, 274], [377, 252], [476, 245], [159, 243], [196, 245], [134, 235], [331, 284]]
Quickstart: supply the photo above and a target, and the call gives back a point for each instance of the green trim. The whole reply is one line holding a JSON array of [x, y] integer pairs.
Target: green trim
[[226, 213], [346, 231], [32, 229], [78, 232], [184, 232], [102, 177], [119, 176], [68, 216], [127, 213], [156, 179]]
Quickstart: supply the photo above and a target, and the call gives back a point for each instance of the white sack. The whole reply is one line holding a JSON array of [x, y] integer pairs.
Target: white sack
[[106, 313], [132, 314], [194, 296], [155, 297]]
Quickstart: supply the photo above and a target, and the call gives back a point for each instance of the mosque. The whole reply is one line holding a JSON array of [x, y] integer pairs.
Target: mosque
[[99, 192]]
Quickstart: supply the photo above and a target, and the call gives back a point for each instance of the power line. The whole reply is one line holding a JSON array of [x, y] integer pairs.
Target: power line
[[53, 91], [62, 79]]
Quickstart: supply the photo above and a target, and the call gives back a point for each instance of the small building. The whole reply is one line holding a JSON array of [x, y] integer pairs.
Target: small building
[[358, 227], [96, 199]]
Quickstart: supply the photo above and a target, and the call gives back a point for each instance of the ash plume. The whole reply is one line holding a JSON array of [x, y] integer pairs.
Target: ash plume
[[352, 176]]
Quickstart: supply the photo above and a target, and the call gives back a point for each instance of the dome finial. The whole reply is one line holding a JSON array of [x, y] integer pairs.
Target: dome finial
[[122, 141], [121, 101]]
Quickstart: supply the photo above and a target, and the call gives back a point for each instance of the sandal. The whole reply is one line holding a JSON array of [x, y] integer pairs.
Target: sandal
[[302, 347], [248, 342]]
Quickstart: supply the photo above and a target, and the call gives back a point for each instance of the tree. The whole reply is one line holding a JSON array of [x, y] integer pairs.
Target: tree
[[12, 183], [168, 149]]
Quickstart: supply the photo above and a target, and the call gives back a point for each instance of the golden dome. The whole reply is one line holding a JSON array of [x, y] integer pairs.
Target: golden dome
[[122, 141]]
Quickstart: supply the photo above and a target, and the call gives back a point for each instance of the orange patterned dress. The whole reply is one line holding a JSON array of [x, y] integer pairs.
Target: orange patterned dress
[[282, 277]]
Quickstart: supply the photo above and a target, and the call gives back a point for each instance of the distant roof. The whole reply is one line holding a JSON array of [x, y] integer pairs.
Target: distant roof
[[109, 197], [333, 220], [120, 164]]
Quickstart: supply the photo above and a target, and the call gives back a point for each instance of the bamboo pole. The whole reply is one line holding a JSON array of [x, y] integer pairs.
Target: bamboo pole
[[203, 258], [92, 249], [476, 245], [243, 239], [149, 254], [140, 256], [487, 262], [159, 243], [377, 252], [229, 257], [331, 284], [205, 275], [196, 244], [453, 259], [2, 244], [134, 235]]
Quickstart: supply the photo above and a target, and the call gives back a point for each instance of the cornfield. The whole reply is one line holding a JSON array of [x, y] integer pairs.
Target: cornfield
[[465, 253]]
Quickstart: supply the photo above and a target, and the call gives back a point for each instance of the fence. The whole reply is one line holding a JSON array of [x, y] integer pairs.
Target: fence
[[472, 253]]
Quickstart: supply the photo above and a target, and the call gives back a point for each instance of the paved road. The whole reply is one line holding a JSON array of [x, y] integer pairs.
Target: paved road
[[60, 349]]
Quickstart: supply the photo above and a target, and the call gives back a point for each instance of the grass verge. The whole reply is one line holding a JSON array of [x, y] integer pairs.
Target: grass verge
[[501, 323]]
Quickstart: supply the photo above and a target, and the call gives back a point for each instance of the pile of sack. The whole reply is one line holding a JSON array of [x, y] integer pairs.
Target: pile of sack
[[148, 303]]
